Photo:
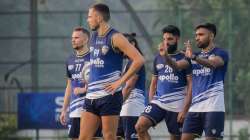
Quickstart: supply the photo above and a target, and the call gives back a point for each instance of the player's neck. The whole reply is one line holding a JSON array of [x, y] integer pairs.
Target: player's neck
[[82, 51], [104, 27], [208, 48]]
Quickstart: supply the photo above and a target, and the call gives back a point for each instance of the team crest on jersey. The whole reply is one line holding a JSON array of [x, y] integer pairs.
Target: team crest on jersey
[[105, 49], [213, 131], [222, 133], [159, 66], [70, 67], [133, 136]]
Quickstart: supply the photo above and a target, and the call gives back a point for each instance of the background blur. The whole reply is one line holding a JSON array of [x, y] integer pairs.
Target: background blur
[[35, 40]]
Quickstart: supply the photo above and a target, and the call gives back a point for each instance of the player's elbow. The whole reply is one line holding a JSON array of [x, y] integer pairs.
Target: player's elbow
[[140, 60]]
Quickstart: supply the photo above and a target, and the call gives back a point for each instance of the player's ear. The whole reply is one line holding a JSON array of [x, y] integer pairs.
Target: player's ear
[[211, 36], [177, 38], [99, 18]]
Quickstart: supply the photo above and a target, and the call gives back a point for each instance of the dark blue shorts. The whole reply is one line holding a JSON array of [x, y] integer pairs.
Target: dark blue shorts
[[157, 114], [126, 127], [211, 122], [108, 105], [74, 129]]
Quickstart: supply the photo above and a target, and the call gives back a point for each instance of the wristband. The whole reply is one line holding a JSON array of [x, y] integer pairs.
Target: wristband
[[194, 57]]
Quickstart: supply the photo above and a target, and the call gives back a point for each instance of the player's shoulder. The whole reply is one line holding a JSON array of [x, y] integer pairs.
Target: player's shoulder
[[157, 55], [220, 51], [113, 33], [71, 57]]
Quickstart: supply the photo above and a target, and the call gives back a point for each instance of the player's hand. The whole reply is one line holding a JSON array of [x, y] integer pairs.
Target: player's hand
[[162, 50], [112, 87], [79, 90], [189, 51], [63, 118], [181, 117]]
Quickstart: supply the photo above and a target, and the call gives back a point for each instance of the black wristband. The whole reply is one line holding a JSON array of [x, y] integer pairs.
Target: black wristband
[[194, 57]]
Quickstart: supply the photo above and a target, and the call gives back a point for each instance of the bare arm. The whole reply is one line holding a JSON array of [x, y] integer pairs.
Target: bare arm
[[187, 100], [181, 64], [130, 84], [65, 102], [152, 88], [211, 62], [129, 50], [80, 90]]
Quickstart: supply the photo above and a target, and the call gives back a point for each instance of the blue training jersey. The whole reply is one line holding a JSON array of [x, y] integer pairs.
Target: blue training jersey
[[171, 84], [106, 64], [208, 83], [135, 103], [74, 68]]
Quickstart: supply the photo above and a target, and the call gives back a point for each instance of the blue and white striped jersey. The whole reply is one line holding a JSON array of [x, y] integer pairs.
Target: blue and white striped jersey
[[106, 64], [171, 84], [74, 66], [208, 83], [135, 103]]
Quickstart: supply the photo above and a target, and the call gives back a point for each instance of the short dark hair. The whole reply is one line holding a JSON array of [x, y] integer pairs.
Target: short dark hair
[[131, 38], [103, 10], [171, 29], [209, 26], [83, 30]]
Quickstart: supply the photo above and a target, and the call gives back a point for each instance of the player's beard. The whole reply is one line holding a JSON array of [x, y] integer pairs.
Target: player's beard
[[77, 48], [95, 28], [203, 45], [172, 48]]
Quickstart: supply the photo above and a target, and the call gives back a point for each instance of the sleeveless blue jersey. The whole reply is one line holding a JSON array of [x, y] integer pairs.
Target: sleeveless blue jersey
[[208, 83], [171, 84], [106, 64], [135, 103], [74, 66]]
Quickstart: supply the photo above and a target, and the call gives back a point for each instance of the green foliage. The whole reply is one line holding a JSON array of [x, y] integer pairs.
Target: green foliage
[[232, 21], [243, 134], [8, 127]]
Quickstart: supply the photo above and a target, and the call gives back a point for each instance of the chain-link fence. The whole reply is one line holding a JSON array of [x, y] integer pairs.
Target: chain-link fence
[[35, 38]]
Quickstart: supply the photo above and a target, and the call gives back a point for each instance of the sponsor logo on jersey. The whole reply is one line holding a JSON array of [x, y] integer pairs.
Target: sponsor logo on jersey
[[97, 62], [77, 76], [70, 67], [159, 66], [203, 71], [170, 77]]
